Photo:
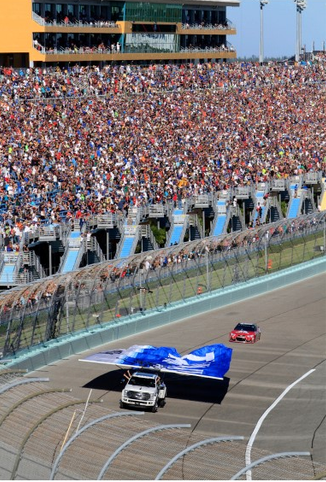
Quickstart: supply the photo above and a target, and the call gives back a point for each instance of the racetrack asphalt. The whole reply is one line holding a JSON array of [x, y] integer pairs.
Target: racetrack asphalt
[[293, 342]]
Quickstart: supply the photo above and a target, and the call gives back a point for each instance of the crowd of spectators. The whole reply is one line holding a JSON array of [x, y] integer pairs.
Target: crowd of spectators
[[84, 140]]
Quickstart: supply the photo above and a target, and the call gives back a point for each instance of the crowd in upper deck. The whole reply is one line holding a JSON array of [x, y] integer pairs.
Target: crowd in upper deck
[[85, 140]]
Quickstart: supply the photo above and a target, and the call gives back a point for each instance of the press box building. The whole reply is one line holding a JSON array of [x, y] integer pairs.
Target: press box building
[[95, 32]]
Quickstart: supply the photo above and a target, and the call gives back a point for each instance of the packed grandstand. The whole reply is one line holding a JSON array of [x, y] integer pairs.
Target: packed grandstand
[[80, 142]]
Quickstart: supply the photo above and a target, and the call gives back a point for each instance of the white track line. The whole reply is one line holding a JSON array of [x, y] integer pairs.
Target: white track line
[[262, 418]]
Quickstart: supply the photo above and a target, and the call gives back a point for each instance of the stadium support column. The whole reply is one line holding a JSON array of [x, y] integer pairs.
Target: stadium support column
[[208, 284], [107, 244], [50, 259], [261, 44], [266, 236], [204, 223]]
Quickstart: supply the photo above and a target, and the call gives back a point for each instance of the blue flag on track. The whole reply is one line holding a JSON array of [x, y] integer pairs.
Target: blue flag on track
[[211, 361]]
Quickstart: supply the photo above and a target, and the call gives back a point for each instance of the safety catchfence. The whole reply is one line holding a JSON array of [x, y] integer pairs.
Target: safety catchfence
[[68, 303]]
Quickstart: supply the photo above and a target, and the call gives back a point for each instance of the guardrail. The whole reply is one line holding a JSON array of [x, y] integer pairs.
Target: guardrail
[[208, 26], [101, 333], [77, 23], [227, 47], [35, 313]]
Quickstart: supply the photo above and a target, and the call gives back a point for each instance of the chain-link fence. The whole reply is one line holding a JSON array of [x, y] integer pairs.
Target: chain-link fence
[[101, 293]]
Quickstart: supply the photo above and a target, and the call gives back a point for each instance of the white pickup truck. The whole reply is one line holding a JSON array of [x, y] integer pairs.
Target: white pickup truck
[[144, 389]]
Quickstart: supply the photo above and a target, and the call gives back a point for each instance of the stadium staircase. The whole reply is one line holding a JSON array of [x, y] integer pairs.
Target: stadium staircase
[[323, 195], [201, 207], [221, 214], [274, 209], [260, 192], [106, 228], [130, 233], [194, 228], [235, 220], [148, 241], [179, 225], [9, 268], [308, 204], [296, 199], [313, 189], [12, 265], [29, 268], [75, 249], [93, 251]]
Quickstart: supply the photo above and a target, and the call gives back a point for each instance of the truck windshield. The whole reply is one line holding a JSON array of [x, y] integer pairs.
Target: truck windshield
[[144, 382]]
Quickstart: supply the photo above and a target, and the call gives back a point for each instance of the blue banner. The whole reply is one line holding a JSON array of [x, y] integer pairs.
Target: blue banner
[[211, 361]]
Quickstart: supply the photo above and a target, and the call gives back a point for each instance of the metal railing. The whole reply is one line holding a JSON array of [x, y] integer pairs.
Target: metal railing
[[209, 26], [93, 245], [77, 23], [37, 312], [146, 232], [76, 50], [227, 47], [142, 48]]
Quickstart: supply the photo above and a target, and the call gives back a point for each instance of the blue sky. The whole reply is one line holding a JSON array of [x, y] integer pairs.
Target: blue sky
[[279, 27]]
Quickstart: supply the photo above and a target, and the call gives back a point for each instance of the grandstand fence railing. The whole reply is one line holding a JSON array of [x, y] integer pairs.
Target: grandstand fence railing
[[61, 305]]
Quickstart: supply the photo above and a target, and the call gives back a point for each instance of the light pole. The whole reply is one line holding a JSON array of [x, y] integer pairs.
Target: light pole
[[266, 251], [208, 284], [301, 5], [261, 45]]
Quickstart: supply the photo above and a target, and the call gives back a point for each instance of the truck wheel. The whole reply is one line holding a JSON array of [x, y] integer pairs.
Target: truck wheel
[[155, 407], [161, 402], [122, 405]]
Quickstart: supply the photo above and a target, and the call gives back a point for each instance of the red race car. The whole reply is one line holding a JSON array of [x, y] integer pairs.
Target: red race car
[[245, 333]]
